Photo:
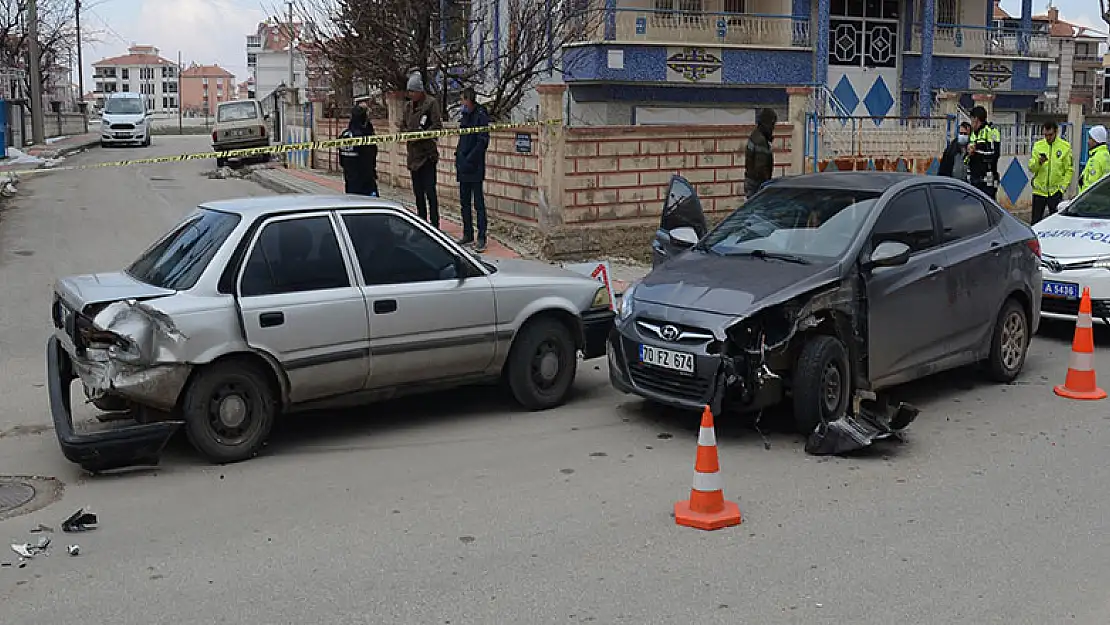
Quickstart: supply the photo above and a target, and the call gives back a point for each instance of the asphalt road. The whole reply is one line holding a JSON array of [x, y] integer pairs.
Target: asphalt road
[[461, 509]]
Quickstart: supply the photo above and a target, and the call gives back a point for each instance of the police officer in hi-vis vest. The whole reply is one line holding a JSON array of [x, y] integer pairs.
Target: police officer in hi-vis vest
[[983, 148]]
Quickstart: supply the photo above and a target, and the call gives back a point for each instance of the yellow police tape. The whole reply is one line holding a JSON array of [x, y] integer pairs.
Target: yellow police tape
[[301, 147]]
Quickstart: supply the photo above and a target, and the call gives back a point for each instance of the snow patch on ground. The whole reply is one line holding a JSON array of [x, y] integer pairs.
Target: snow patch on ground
[[56, 139], [18, 157]]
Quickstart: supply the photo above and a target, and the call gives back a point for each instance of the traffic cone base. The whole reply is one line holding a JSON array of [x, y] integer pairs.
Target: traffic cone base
[[1080, 382], [1063, 391], [728, 516]]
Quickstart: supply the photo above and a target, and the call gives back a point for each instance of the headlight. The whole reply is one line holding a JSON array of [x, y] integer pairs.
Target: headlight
[[626, 303], [125, 351], [601, 298], [1102, 263]]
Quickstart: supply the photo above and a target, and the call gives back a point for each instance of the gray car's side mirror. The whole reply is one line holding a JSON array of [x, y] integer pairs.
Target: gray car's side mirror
[[684, 236], [889, 254]]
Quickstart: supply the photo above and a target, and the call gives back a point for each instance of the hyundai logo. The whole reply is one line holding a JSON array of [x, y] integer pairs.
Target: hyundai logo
[[669, 333]]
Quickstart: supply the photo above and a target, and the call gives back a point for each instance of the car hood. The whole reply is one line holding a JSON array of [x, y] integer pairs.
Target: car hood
[[730, 285], [119, 118], [99, 288], [517, 267], [1067, 237]]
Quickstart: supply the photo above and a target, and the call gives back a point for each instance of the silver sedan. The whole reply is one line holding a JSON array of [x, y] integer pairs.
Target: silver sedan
[[250, 308]]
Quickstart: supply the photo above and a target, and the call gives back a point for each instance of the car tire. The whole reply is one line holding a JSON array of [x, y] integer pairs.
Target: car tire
[[822, 383], [1009, 343], [543, 362], [229, 409], [103, 144], [147, 142], [221, 162]]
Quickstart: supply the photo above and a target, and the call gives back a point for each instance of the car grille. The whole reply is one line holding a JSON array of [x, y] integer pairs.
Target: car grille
[[687, 335], [1099, 308], [122, 126], [670, 383]]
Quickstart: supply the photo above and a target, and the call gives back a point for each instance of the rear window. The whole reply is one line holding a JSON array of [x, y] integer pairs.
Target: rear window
[[177, 261], [237, 111]]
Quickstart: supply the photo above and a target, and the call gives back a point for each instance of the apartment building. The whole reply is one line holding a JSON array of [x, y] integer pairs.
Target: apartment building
[[203, 87], [143, 71], [717, 61], [268, 57]]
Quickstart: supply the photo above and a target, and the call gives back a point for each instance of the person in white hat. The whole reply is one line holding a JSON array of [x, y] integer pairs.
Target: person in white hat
[[1098, 159]]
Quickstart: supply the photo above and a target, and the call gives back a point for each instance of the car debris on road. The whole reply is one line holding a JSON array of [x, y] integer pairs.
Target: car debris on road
[[80, 521]]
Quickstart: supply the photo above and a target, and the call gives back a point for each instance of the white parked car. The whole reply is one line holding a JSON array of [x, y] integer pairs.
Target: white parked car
[[1075, 254]]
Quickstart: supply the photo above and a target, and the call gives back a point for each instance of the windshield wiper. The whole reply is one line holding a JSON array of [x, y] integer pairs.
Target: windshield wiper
[[764, 254]]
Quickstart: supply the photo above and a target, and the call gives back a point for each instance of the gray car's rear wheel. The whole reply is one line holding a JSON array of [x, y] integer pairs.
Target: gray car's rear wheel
[[1009, 343], [229, 409], [822, 383], [542, 364]]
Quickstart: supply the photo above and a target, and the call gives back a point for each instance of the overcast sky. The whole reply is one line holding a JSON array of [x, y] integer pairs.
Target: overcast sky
[[214, 31]]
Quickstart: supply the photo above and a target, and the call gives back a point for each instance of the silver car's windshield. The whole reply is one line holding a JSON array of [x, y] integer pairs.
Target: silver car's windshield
[[177, 261], [237, 112], [124, 106], [799, 222]]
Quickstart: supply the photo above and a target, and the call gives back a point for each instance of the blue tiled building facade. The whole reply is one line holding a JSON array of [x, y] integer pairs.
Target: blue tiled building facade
[[880, 58]]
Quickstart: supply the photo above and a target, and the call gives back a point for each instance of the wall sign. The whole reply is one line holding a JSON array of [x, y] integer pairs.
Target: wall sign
[[694, 65], [523, 143]]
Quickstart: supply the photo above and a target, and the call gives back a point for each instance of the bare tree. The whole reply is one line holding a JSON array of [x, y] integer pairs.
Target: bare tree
[[57, 36], [381, 42]]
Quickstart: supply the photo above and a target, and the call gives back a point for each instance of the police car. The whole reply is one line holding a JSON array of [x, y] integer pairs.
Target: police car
[[1075, 254]]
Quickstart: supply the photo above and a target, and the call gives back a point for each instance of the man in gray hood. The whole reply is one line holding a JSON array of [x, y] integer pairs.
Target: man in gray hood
[[423, 113], [759, 160]]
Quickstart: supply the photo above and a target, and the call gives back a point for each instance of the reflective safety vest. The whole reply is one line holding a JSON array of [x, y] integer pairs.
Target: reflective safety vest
[[1098, 165], [984, 161], [1054, 175]]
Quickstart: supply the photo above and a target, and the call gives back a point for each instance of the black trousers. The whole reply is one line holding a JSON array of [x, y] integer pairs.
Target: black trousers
[[1041, 202], [424, 188], [992, 192]]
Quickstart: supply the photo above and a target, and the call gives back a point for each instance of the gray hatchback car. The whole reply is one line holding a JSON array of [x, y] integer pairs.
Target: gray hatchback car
[[824, 289], [252, 307]]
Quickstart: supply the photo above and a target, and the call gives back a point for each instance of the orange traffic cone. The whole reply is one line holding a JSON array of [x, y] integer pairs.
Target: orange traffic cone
[[707, 509], [1080, 383]]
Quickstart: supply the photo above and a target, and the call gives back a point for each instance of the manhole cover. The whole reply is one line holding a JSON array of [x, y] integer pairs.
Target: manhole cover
[[14, 495], [23, 494]]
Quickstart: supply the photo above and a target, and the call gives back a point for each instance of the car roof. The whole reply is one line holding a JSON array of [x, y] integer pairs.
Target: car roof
[[875, 181], [251, 208]]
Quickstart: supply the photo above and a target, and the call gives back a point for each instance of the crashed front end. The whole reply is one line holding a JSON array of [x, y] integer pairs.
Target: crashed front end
[[120, 349], [745, 363]]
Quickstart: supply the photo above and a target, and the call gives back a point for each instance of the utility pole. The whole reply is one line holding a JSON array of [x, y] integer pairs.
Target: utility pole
[[180, 128], [37, 121], [81, 104], [292, 36]]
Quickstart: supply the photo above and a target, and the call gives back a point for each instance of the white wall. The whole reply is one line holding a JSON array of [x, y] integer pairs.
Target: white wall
[[273, 70]]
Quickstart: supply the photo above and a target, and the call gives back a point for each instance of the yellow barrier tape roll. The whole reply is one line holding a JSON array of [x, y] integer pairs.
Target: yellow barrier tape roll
[[299, 147]]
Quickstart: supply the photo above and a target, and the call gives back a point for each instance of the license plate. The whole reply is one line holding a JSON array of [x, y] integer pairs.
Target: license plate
[[240, 133], [1067, 290], [667, 359], [123, 135]]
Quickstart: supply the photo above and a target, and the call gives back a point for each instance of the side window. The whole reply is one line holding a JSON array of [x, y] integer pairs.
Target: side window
[[961, 215], [907, 220], [390, 250], [295, 255]]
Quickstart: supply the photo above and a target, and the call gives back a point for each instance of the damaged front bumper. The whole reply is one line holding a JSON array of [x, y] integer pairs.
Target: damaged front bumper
[[99, 450]]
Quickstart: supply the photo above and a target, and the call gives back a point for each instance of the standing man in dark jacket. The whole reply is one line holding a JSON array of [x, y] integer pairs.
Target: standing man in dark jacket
[[759, 160], [423, 113], [360, 162], [470, 166]]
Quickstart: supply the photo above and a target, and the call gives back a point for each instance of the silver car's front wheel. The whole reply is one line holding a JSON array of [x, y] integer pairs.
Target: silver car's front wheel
[[542, 364], [229, 409]]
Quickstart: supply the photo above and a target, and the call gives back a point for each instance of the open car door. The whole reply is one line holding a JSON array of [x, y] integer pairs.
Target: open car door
[[682, 223]]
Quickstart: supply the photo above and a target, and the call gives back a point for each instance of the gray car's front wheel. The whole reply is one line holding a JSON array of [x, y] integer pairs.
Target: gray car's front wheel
[[229, 409], [542, 364], [822, 383], [1009, 343]]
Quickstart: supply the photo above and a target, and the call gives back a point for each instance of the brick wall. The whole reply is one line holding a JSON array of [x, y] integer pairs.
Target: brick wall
[[621, 173], [512, 179]]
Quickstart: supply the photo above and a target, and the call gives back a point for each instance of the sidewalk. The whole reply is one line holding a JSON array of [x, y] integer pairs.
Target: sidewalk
[[37, 156], [281, 180]]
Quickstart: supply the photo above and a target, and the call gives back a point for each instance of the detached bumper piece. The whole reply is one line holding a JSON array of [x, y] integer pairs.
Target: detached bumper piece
[[596, 325], [102, 450], [854, 432]]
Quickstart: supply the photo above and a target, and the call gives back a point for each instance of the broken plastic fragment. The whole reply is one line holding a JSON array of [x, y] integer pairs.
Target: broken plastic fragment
[[855, 432], [42, 543], [23, 550], [42, 528], [80, 521], [74, 550]]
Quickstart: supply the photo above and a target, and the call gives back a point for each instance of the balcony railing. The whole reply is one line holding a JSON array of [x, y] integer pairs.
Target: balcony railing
[[1094, 59], [964, 40], [706, 28]]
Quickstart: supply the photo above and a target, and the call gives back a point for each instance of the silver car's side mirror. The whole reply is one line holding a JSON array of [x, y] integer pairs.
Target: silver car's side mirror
[[889, 254], [684, 236]]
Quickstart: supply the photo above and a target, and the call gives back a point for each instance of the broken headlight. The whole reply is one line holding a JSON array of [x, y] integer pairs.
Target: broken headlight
[[124, 351]]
